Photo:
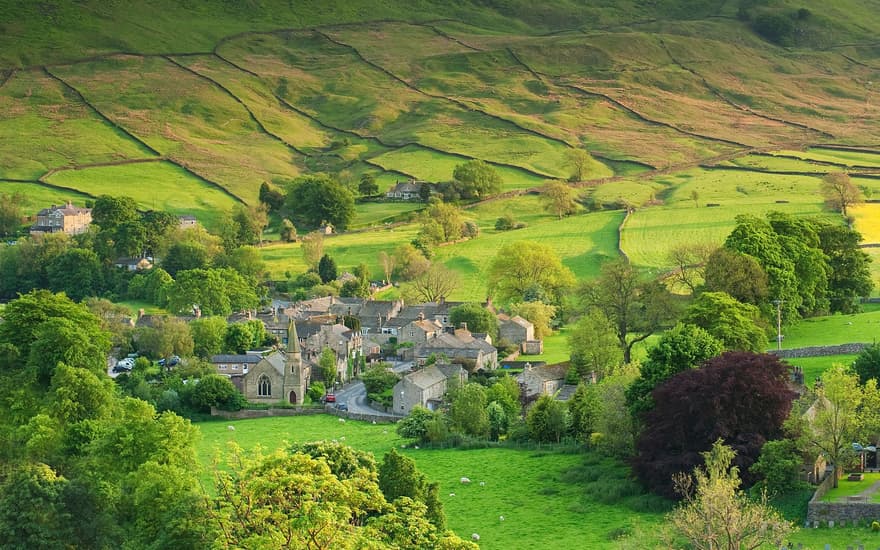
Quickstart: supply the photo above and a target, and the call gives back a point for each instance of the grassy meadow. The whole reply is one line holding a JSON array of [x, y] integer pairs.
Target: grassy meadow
[[587, 500]]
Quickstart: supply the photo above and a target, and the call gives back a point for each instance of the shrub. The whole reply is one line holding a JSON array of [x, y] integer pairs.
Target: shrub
[[217, 391], [775, 27], [875, 526], [317, 390], [505, 223]]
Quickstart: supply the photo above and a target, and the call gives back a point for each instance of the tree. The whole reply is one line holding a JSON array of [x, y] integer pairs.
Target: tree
[[398, 477], [593, 345], [738, 326], [476, 179], [313, 248], [327, 269], [558, 199], [835, 416], [417, 425], [437, 282], [244, 336], [379, 378], [737, 274], [409, 262], [716, 515], [738, 396], [316, 199], [327, 366], [690, 264], [583, 411], [388, 263], [546, 420], [867, 363], [272, 198], [215, 391], [115, 319], [77, 272], [840, 192], [166, 337], [779, 467], [216, 292], [683, 347], [367, 185], [521, 266], [579, 160], [158, 228], [636, 308], [288, 231], [476, 317], [850, 276], [441, 223], [615, 425], [468, 410], [243, 226], [246, 260], [11, 213], [184, 256], [110, 212]]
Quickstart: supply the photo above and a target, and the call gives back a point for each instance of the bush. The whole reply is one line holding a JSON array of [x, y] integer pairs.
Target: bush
[[317, 390], [505, 223], [217, 391], [875, 526], [775, 27]]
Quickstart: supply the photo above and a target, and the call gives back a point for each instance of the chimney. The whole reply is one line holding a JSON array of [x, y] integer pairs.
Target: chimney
[[421, 316]]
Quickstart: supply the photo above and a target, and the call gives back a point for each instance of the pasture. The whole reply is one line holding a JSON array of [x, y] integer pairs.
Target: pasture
[[573, 500], [153, 185]]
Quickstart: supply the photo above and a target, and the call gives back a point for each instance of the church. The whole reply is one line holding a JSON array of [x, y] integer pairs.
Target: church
[[280, 376]]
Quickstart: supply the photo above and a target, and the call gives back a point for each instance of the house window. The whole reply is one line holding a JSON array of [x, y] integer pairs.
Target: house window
[[264, 387], [222, 367]]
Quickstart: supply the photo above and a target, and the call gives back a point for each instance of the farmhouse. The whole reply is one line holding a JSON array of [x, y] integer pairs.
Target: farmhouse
[[425, 387], [406, 191], [69, 219], [134, 264], [186, 221]]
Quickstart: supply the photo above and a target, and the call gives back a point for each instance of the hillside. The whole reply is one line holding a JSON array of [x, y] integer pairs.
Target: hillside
[[190, 106]]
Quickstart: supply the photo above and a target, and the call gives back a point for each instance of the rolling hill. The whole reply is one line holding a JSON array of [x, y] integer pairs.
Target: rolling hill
[[190, 106]]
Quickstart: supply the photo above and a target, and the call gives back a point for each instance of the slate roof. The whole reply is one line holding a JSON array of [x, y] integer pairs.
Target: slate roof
[[245, 358]]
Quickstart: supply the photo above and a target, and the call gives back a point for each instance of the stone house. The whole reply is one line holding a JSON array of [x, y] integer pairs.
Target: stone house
[[426, 387], [545, 380], [280, 376], [345, 343], [186, 221], [234, 365], [69, 219], [516, 329], [461, 347], [406, 191], [419, 332]]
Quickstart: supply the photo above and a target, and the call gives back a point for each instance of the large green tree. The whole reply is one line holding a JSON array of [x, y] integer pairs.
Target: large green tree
[[476, 317], [636, 307], [593, 345], [316, 199], [850, 277], [468, 409], [11, 213], [520, 267], [738, 326], [473, 179]]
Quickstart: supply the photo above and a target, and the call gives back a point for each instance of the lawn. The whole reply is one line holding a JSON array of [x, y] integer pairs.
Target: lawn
[[37, 197], [588, 500], [833, 329], [846, 488], [154, 186], [813, 367]]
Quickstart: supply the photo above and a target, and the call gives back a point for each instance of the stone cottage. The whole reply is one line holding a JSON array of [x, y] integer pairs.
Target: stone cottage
[[425, 387]]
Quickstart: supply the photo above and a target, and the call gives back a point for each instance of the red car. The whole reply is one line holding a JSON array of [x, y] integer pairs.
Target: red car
[[330, 398]]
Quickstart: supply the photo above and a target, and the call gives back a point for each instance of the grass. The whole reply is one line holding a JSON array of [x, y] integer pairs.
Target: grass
[[43, 127], [584, 497], [846, 488], [833, 329], [37, 196], [159, 186], [813, 367], [136, 305]]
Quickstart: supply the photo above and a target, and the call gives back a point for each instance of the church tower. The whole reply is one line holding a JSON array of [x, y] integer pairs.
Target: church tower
[[295, 374]]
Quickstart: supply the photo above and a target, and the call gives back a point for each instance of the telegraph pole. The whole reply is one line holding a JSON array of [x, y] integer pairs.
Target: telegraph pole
[[778, 323]]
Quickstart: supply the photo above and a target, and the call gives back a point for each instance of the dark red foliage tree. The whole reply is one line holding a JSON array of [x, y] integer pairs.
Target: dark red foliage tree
[[740, 397]]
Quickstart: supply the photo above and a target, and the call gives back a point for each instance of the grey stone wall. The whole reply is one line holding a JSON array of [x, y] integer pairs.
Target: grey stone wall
[[818, 351], [262, 413], [841, 512]]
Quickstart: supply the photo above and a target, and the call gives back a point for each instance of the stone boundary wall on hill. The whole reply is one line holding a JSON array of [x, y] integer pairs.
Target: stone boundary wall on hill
[[818, 351]]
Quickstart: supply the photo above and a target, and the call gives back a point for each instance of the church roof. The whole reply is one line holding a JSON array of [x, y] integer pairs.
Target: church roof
[[292, 339]]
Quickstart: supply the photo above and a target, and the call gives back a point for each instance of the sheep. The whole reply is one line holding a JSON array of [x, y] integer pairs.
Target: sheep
[[452, 494], [500, 518], [416, 447], [342, 438], [230, 428], [475, 537], [465, 480], [342, 420], [482, 484]]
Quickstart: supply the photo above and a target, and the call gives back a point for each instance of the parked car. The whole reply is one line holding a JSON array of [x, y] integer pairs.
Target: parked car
[[342, 406], [172, 361], [330, 398], [123, 365]]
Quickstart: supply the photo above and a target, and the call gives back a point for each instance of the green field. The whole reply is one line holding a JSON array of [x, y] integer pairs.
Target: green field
[[154, 185], [38, 196], [530, 488], [833, 329]]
